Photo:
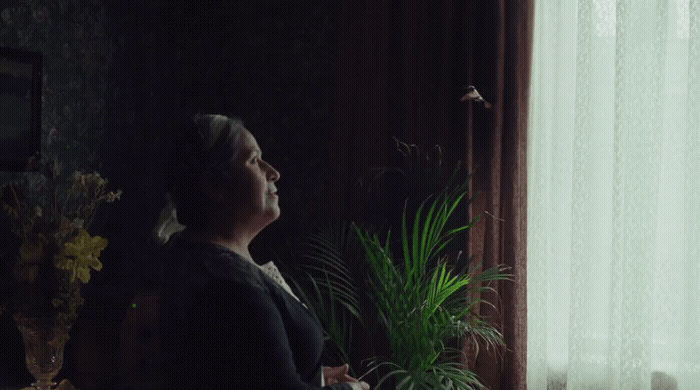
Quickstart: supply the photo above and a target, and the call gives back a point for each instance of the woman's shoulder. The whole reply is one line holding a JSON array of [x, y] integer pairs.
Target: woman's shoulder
[[218, 262]]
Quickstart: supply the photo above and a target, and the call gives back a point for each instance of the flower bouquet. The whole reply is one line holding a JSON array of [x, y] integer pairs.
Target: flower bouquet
[[50, 216]]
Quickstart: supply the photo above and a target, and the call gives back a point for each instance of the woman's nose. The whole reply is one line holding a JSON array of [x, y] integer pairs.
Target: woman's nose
[[272, 173], [275, 175]]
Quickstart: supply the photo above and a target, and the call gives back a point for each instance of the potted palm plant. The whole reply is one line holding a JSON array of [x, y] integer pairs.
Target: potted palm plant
[[422, 292]]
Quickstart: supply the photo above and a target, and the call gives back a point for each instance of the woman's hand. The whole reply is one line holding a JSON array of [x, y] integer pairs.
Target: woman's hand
[[359, 385], [332, 375]]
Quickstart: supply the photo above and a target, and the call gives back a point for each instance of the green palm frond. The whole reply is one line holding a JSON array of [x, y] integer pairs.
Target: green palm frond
[[327, 285], [422, 302], [422, 299], [441, 375]]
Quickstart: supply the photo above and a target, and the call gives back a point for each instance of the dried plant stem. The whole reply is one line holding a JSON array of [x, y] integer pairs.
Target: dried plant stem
[[19, 206]]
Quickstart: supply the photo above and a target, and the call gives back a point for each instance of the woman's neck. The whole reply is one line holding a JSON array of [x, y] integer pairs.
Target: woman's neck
[[238, 243]]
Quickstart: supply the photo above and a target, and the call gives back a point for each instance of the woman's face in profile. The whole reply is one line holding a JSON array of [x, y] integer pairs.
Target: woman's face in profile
[[254, 192]]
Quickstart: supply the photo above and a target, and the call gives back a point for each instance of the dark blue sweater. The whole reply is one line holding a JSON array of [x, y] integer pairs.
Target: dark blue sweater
[[227, 325]]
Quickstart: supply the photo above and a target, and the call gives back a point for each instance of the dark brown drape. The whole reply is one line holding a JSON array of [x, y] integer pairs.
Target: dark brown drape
[[500, 46], [402, 67]]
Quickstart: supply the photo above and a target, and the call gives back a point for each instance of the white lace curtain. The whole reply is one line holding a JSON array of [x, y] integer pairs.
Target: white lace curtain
[[614, 196]]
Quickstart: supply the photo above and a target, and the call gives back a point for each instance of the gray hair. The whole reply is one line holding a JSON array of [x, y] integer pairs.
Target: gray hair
[[219, 135], [208, 146]]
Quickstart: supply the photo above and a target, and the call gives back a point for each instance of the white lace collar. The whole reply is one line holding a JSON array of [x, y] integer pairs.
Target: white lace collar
[[270, 269]]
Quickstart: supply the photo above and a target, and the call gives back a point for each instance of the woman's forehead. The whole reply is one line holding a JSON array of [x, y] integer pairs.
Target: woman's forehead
[[247, 142]]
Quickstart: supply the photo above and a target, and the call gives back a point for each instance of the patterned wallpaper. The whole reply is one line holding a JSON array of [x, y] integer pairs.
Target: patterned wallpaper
[[76, 55]]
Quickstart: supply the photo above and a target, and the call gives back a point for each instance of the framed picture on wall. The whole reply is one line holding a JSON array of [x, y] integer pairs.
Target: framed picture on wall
[[20, 108]]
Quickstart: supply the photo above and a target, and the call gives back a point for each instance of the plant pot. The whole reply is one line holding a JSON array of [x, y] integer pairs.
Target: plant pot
[[44, 341]]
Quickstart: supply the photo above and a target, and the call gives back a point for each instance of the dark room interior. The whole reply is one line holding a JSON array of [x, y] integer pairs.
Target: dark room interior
[[326, 87]]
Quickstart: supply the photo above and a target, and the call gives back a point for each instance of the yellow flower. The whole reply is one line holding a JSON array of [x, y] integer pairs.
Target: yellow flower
[[87, 181], [80, 254], [77, 223], [112, 196], [30, 254], [96, 180]]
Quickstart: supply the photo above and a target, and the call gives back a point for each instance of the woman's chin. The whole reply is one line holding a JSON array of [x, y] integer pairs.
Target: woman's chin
[[273, 213]]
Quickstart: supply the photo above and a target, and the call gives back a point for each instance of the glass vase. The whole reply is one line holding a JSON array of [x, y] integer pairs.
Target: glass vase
[[44, 341]]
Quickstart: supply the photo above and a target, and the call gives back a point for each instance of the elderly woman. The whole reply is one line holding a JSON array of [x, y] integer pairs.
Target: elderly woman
[[227, 322]]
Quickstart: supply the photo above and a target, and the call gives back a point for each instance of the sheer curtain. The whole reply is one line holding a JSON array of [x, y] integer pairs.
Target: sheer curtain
[[614, 196]]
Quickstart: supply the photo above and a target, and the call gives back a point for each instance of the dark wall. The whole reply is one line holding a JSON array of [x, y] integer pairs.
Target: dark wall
[[269, 62], [77, 53], [121, 76], [322, 88]]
